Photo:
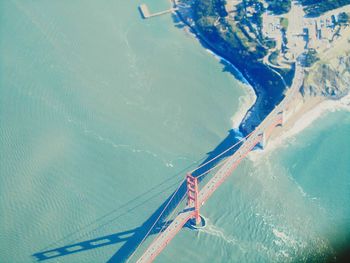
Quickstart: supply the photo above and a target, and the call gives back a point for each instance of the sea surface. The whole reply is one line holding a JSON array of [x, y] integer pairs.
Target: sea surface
[[101, 114]]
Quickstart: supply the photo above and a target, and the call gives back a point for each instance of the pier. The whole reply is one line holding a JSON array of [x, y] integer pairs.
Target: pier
[[147, 14]]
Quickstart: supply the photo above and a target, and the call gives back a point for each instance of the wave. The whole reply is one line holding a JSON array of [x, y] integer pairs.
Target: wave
[[245, 103], [238, 74], [304, 120]]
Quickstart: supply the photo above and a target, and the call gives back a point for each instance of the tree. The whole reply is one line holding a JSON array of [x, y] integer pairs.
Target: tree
[[309, 58], [343, 18], [279, 7]]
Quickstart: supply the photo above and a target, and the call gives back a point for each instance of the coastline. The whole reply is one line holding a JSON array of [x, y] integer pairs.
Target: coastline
[[306, 112], [247, 101], [260, 107]]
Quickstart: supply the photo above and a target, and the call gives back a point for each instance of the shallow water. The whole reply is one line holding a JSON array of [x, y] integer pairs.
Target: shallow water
[[98, 106]]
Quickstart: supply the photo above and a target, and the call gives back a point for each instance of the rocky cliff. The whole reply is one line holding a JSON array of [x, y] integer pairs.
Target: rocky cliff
[[329, 79]]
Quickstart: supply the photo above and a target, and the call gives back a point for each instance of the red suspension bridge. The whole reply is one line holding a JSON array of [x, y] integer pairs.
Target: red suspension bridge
[[196, 197], [173, 211]]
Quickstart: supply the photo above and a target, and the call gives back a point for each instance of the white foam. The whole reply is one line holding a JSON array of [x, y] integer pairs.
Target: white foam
[[220, 58], [288, 137], [245, 103], [218, 232], [170, 165], [284, 237]]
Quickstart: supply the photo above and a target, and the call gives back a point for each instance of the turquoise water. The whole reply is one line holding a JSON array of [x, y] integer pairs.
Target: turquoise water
[[288, 205], [98, 106]]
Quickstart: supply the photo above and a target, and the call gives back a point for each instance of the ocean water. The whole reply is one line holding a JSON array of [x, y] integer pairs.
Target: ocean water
[[98, 106], [101, 113], [289, 204]]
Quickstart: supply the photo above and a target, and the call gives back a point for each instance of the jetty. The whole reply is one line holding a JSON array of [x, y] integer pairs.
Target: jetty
[[143, 8]]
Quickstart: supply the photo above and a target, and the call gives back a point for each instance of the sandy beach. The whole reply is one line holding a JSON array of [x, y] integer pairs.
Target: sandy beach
[[302, 113]]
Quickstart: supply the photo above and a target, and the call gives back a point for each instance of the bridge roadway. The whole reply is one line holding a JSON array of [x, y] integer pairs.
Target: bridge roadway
[[266, 125]]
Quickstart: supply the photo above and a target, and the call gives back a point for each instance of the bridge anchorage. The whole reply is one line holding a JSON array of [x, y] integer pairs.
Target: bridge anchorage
[[197, 221]]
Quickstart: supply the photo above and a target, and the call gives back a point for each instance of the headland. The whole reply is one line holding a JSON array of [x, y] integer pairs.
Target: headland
[[260, 42]]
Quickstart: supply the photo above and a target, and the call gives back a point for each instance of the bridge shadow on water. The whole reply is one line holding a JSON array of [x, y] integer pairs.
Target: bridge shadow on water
[[133, 237]]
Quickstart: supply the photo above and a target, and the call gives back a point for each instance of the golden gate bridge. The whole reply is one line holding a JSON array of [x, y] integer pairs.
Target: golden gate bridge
[[175, 213], [195, 197]]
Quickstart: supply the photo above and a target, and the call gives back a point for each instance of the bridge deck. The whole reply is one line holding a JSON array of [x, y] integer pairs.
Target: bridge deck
[[270, 121], [160, 243]]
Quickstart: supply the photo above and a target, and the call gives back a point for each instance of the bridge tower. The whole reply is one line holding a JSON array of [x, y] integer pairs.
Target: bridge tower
[[192, 196], [279, 121], [282, 118]]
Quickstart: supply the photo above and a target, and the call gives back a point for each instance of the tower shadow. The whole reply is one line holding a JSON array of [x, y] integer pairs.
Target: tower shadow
[[133, 237], [93, 243], [133, 241]]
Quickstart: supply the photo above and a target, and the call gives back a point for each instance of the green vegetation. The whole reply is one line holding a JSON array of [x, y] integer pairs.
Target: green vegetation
[[238, 37], [234, 36], [309, 58], [210, 8], [343, 18], [273, 57], [205, 15], [270, 43], [284, 23], [279, 7], [318, 7]]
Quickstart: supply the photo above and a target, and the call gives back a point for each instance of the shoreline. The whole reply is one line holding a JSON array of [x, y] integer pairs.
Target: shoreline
[[246, 102], [256, 113], [307, 112], [306, 109]]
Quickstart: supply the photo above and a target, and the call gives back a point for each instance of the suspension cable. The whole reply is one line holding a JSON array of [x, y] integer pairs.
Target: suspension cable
[[156, 221], [124, 213], [172, 197], [211, 169], [160, 232], [219, 155], [178, 205]]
